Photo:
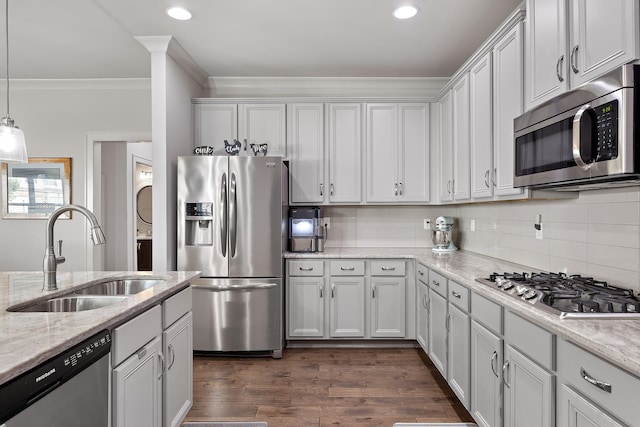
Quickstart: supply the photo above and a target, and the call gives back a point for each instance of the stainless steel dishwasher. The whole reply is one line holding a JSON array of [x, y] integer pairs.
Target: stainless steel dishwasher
[[70, 390]]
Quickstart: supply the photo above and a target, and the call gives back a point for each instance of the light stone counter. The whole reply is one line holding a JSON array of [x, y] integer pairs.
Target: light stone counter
[[614, 340], [28, 339]]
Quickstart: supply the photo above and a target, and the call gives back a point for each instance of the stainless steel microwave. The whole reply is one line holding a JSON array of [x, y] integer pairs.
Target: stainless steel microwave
[[583, 139]]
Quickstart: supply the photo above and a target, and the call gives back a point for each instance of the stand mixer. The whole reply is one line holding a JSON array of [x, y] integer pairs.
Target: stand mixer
[[441, 235]]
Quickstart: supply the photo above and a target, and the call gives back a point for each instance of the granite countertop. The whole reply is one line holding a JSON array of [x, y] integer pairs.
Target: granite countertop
[[28, 339], [614, 340]]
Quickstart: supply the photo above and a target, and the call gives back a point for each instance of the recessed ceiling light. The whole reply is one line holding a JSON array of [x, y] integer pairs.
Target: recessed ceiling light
[[405, 12], [179, 13]]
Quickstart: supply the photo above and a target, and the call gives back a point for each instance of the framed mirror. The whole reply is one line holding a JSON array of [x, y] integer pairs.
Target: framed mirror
[[35, 189], [143, 204]]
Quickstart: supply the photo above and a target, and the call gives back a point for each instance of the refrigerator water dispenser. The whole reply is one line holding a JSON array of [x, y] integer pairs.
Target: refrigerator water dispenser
[[199, 224]]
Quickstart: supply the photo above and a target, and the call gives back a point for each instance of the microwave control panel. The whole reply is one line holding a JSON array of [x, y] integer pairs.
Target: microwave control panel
[[606, 131]]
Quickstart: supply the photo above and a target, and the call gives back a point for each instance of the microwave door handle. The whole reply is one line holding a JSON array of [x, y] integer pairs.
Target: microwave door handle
[[224, 218], [576, 137]]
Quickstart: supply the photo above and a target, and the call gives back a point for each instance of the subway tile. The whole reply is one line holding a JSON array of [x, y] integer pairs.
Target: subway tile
[[575, 232], [616, 276], [627, 236], [613, 195], [614, 256], [558, 264], [576, 251], [614, 213]]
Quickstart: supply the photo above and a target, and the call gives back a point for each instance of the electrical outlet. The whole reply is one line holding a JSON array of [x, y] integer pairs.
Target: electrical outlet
[[539, 233], [472, 225], [427, 224], [327, 222]]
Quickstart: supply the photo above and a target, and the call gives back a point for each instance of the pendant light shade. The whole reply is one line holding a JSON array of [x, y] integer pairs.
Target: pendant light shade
[[12, 145]]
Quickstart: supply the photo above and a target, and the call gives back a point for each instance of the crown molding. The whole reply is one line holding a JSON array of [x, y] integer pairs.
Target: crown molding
[[81, 84]]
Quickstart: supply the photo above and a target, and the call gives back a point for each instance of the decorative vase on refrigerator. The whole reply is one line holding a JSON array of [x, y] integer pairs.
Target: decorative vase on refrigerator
[[232, 225]]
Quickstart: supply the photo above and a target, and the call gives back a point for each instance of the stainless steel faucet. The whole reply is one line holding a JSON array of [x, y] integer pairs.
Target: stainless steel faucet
[[51, 261]]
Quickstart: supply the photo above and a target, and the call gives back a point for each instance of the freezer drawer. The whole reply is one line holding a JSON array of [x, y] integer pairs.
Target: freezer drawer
[[235, 315]]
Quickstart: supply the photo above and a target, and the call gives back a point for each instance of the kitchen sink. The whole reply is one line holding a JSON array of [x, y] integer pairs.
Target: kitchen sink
[[122, 286], [71, 303]]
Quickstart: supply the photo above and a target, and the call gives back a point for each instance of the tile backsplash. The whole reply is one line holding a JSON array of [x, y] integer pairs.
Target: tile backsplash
[[596, 234]]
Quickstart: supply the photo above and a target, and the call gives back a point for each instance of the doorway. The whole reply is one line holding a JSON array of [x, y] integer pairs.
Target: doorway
[[143, 203]]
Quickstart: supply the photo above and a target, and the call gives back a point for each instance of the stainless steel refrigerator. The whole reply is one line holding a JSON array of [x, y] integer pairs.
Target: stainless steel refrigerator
[[232, 226]]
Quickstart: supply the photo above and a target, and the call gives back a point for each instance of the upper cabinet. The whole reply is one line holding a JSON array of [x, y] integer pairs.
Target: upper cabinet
[[571, 42], [325, 173], [480, 126], [397, 153], [249, 123]]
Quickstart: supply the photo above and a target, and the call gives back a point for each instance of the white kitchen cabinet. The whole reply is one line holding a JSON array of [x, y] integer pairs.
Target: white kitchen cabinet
[[459, 352], [305, 297], [250, 123], [397, 147], [347, 318], [306, 151], [576, 411], [461, 162], [387, 296], [438, 331], [480, 128], [446, 147], [345, 153], [137, 386], [177, 392], [528, 392], [422, 308], [508, 99], [486, 380], [570, 42]]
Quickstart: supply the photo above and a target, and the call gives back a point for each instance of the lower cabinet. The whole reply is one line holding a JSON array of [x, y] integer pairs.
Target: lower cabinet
[[486, 380], [529, 392], [438, 331], [346, 318], [458, 362], [422, 311], [388, 318], [576, 411], [305, 303], [177, 391]]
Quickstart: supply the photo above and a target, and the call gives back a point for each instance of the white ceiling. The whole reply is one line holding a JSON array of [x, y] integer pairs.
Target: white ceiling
[[285, 38]]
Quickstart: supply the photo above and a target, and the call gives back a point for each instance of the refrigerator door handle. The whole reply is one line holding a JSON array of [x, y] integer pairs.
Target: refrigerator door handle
[[236, 287], [233, 213], [223, 215]]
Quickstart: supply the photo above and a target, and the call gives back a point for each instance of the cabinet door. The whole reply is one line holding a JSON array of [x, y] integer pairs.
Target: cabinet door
[[305, 306], [528, 392], [345, 153], [137, 387], [306, 151], [576, 411], [446, 147], [347, 307], [486, 380], [422, 310], [591, 54], [461, 164], [388, 314], [459, 354], [413, 170], [546, 61], [264, 124], [507, 105], [177, 391], [213, 123], [382, 153], [480, 123], [438, 331]]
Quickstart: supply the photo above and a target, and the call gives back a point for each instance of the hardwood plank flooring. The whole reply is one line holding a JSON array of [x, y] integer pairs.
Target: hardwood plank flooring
[[358, 387]]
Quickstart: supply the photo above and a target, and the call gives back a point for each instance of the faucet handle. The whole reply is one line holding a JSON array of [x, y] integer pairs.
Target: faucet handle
[[60, 247], [60, 259]]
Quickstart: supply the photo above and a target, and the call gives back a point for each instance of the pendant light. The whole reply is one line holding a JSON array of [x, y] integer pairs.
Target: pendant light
[[12, 145]]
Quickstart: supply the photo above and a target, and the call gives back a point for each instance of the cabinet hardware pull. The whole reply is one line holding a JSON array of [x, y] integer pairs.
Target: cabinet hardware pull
[[322, 291], [428, 304], [493, 177], [331, 189], [322, 189], [161, 360], [401, 188], [347, 268], [421, 273], [600, 384], [333, 290], [172, 352], [455, 294], [574, 59], [448, 321], [486, 178], [453, 186], [435, 283], [388, 268], [306, 268], [424, 301], [449, 186], [396, 186], [504, 377], [494, 358], [559, 68], [373, 290]]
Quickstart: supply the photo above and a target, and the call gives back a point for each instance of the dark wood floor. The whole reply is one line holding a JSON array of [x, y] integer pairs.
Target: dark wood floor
[[324, 387]]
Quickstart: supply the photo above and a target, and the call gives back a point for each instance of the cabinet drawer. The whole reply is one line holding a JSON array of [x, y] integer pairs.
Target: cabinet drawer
[[137, 332], [531, 339], [176, 307], [347, 268], [388, 268], [620, 401], [306, 268], [438, 283], [423, 274], [459, 295], [487, 312]]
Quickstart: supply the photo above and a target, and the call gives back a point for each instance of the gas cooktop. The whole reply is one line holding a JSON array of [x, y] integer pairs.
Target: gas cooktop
[[572, 296]]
